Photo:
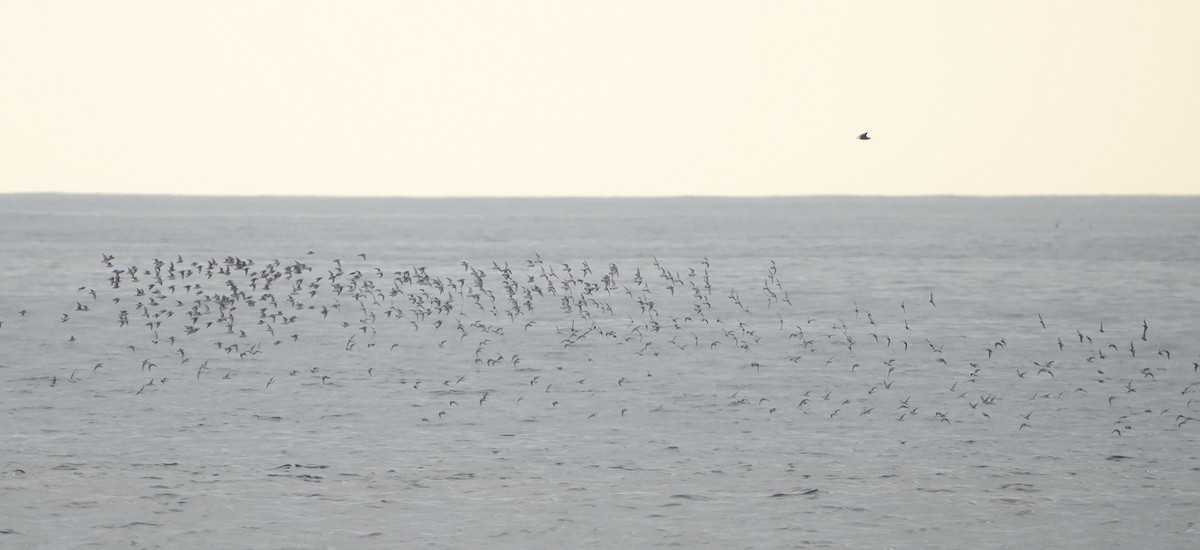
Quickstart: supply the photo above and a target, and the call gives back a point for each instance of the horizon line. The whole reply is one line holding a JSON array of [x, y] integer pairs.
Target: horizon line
[[600, 197]]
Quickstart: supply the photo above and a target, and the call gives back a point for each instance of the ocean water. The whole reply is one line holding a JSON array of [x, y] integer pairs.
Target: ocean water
[[605, 373]]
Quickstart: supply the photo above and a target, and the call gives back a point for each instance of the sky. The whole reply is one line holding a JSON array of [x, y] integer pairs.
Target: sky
[[591, 98]]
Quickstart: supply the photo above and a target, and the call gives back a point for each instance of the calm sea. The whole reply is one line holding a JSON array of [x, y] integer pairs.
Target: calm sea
[[606, 373]]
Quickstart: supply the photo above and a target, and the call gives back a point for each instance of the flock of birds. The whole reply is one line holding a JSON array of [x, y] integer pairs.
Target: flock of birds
[[560, 330]]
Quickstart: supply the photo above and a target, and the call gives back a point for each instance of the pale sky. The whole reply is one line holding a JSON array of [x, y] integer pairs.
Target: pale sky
[[575, 98]]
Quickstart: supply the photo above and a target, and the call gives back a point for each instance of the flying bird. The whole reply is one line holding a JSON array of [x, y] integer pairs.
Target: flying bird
[[863, 136]]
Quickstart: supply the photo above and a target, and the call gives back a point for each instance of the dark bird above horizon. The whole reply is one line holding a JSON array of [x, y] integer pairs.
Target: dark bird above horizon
[[863, 136]]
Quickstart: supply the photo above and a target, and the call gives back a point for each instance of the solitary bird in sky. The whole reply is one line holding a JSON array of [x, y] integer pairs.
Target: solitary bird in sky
[[863, 136]]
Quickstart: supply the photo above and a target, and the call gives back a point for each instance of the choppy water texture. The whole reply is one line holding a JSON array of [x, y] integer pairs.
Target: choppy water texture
[[846, 373]]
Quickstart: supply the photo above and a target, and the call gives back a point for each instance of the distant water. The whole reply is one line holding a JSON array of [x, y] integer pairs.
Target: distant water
[[603, 373]]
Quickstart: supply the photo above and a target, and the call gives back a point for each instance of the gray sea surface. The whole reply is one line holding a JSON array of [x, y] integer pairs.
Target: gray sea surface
[[184, 372]]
